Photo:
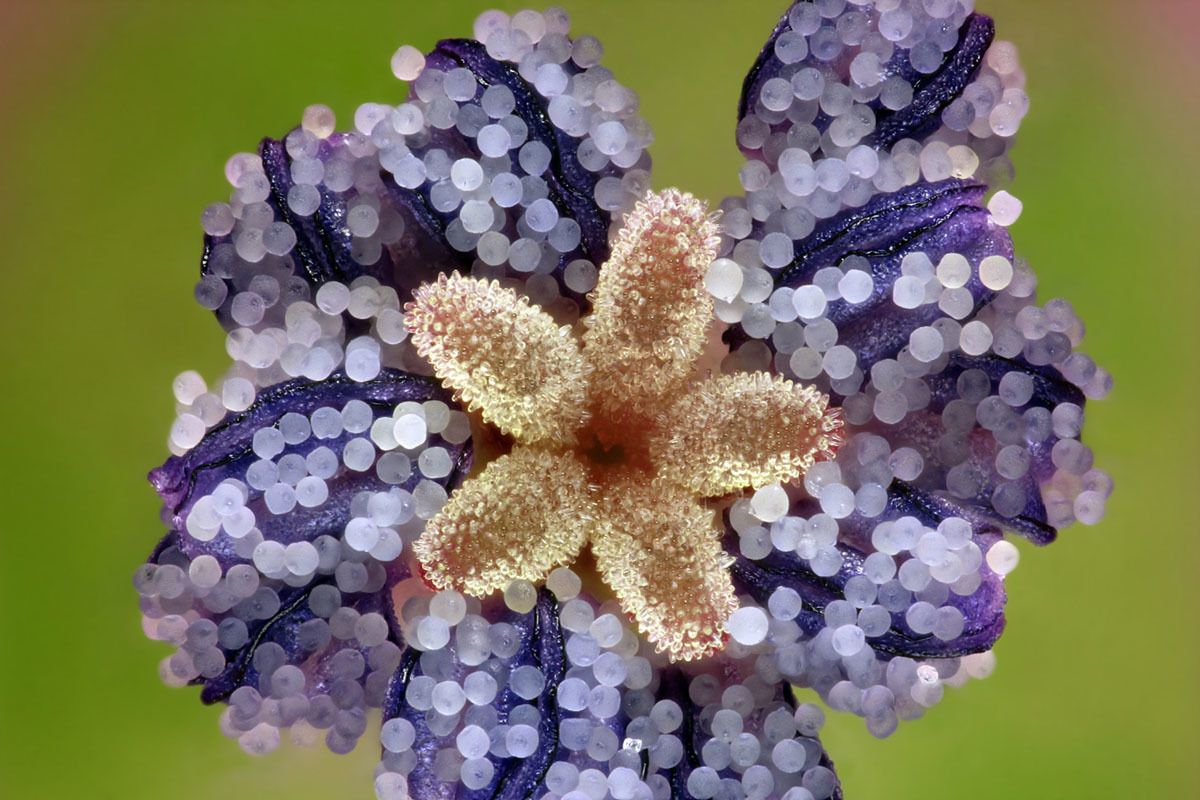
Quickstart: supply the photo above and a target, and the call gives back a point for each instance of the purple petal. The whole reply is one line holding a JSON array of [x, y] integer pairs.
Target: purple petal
[[790, 757], [933, 93], [989, 444], [612, 714], [1049, 390], [513, 778], [286, 629], [982, 609], [872, 269], [876, 610], [931, 90], [323, 241], [278, 607], [226, 452], [512, 184], [571, 187], [280, 655], [565, 208], [408, 248], [933, 219]]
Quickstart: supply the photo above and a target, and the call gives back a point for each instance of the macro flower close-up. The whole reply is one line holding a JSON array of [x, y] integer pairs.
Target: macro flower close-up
[[517, 471], [883, 399]]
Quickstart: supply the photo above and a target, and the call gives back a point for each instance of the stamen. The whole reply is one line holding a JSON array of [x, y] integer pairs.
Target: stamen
[[651, 311], [658, 550], [744, 431], [528, 512], [503, 356]]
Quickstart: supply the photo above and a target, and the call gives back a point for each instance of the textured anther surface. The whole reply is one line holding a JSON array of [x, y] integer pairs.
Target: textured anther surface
[[744, 430], [527, 513], [502, 356], [651, 312], [656, 547]]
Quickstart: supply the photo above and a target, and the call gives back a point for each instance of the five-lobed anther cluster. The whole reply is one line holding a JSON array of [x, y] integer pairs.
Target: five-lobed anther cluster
[[616, 438]]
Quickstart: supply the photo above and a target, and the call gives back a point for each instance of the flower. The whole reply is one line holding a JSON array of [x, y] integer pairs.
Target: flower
[[315, 490]]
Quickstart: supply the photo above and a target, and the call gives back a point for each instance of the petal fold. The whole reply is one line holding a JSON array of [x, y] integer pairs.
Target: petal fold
[[934, 92], [994, 475], [325, 247], [925, 223], [554, 189], [228, 451], [570, 185], [775, 731], [426, 749], [288, 522], [877, 611], [913, 112]]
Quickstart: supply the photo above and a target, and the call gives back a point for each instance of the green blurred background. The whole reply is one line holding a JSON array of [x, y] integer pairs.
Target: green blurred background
[[117, 118]]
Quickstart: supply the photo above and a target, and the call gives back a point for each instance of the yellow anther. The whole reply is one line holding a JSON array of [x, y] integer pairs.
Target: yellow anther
[[658, 550], [504, 357], [528, 512], [624, 444], [650, 310], [744, 430]]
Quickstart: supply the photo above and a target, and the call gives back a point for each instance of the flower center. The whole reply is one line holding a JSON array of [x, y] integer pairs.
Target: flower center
[[616, 441], [605, 457]]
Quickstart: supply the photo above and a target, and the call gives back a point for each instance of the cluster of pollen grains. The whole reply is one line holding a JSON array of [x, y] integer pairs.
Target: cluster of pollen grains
[[916, 581], [818, 131], [501, 201], [300, 335], [293, 631], [991, 436], [976, 379], [603, 712], [465, 148]]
